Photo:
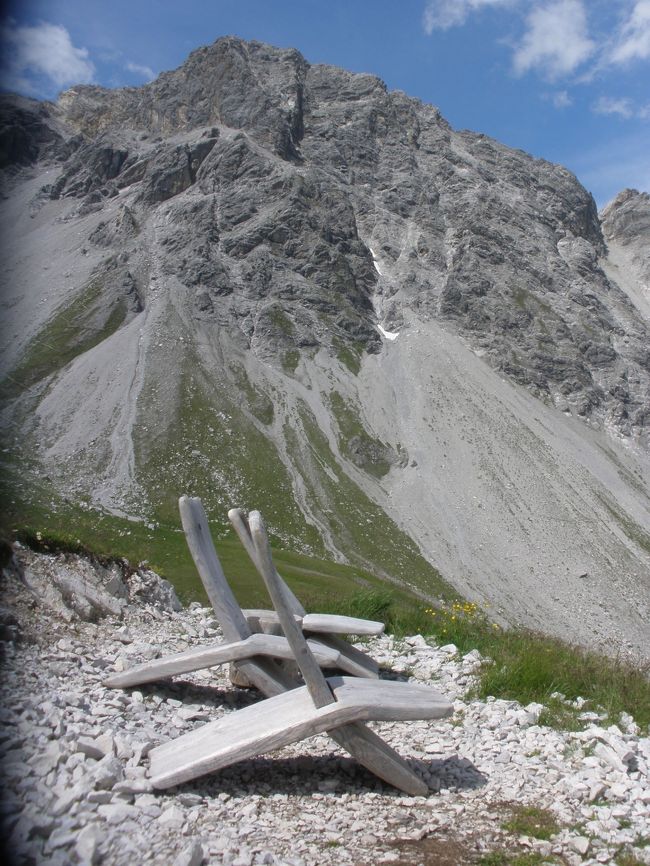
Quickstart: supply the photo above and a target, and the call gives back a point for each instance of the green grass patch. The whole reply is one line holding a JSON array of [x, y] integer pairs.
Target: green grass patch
[[259, 402], [42, 520], [348, 354], [508, 858], [527, 666], [560, 714], [531, 821], [355, 443], [532, 667], [626, 857], [213, 449], [290, 360], [281, 321], [74, 329], [361, 528], [402, 613]]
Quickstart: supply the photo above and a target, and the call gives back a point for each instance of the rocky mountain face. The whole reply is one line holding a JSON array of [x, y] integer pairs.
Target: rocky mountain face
[[280, 285], [626, 228]]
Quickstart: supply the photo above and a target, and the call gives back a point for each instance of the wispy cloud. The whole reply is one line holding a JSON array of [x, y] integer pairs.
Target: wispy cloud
[[621, 106], [443, 14], [556, 40], [561, 99], [42, 53], [633, 41], [145, 72]]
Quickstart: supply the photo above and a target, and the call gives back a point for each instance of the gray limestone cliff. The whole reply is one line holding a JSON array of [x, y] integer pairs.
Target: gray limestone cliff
[[626, 229]]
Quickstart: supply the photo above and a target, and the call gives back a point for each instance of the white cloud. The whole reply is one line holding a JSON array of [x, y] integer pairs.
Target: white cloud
[[611, 105], [145, 72], [443, 14], [622, 106], [42, 50], [561, 99], [633, 42], [556, 41]]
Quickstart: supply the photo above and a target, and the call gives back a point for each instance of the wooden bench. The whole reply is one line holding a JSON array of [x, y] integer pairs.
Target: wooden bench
[[338, 705]]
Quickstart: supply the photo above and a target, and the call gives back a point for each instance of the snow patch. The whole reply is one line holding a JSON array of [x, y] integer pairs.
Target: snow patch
[[375, 262], [389, 335]]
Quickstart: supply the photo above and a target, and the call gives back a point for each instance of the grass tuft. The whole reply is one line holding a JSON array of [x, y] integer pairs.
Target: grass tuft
[[531, 821], [527, 666], [626, 857], [507, 858]]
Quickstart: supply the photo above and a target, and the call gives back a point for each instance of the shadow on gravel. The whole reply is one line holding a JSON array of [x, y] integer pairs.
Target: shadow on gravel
[[387, 674], [331, 774], [232, 697], [192, 693]]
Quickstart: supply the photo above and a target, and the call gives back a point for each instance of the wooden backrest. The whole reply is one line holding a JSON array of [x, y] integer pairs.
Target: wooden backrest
[[197, 532], [241, 527], [314, 680]]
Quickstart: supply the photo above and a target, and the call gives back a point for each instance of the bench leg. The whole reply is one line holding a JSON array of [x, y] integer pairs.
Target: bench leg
[[377, 756]]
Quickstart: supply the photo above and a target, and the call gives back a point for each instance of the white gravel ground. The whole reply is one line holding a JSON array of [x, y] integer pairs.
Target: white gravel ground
[[75, 764]]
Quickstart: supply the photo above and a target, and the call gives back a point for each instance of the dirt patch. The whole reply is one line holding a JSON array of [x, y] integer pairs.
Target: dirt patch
[[435, 851]]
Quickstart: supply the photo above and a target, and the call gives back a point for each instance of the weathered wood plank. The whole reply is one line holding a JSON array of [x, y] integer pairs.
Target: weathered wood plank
[[390, 700], [288, 718], [321, 623], [337, 706], [199, 658], [314, 679], [377, 756], [337, 624], [241, 527], [254, 730], [356, 662], [262, 673], [353, 661], [265, 620], [361, 743], [199, 541]]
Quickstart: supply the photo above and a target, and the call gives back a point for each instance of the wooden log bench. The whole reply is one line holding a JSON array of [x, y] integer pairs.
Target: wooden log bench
[[338, 705]]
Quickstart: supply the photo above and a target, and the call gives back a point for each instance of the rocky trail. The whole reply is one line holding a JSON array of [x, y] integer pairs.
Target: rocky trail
[[74, 753]]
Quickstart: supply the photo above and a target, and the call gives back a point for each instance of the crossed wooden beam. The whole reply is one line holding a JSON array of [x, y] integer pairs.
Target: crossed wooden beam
[[337, 705], [253, 651]]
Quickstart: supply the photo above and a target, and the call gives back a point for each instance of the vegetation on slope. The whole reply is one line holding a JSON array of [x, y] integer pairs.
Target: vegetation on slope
[[75, 328], [64, 527], [520, 665]]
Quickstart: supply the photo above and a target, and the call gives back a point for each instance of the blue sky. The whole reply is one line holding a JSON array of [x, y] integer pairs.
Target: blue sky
[[567, 80]]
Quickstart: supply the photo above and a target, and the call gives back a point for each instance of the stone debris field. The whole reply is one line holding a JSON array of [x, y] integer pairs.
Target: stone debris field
[[74, 758]]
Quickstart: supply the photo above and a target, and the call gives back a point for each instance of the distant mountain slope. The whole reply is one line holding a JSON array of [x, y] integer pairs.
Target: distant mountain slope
[[626, 228], [280, 285]]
